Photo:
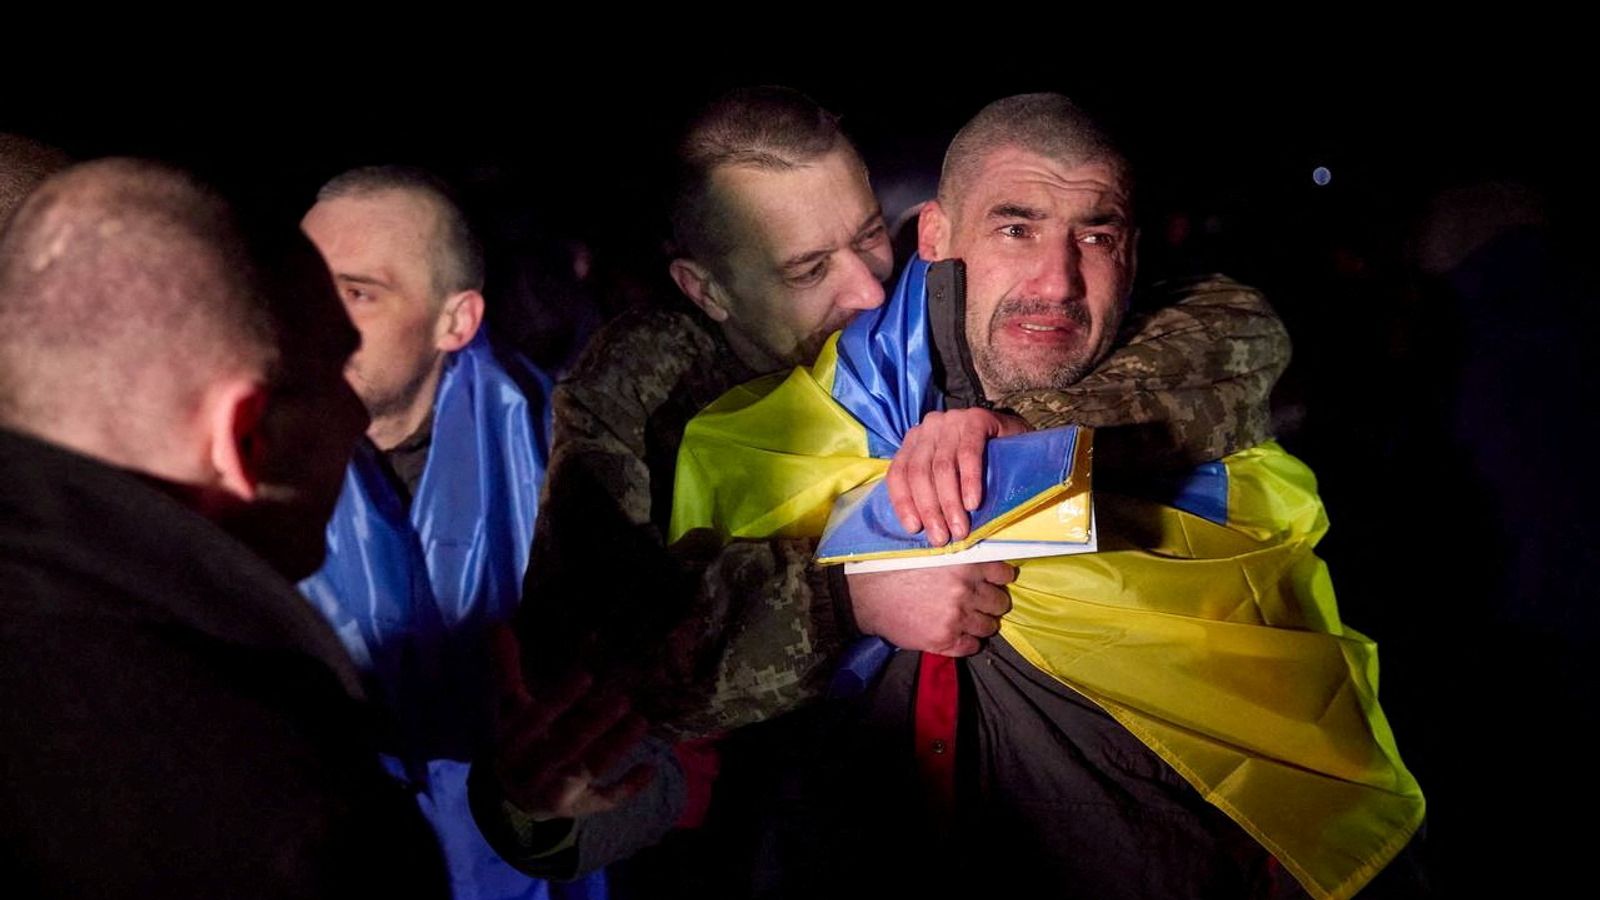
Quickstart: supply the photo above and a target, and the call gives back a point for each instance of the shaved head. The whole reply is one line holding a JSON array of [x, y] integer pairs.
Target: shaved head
[[1047, 124], [768, 128], [780, 239], [123, 287], [455, 254], [1035, 200], [128, 290], [148, 323]]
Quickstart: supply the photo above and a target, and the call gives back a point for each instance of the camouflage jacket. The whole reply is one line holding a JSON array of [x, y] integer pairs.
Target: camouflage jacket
[[708, 637], [705, 638], [1188, 382]]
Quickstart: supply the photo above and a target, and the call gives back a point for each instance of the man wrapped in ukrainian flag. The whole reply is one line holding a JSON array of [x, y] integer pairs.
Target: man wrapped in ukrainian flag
[[1181, 714]]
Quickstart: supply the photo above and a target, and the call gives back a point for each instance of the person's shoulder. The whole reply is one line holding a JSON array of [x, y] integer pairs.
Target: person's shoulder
[[646, 331], [1213, 306], [501, 356], [1213, 289], [153, 715], [643, 345]]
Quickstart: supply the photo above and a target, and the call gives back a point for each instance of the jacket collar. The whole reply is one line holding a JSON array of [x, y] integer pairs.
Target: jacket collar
[[158, 560]]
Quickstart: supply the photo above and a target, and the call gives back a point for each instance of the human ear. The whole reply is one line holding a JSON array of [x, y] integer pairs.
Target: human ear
[[459, 320], [699, 285], [933, 232], [234, 415]]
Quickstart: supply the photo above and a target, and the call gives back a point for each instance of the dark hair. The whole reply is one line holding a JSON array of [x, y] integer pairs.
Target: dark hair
[[458, 257], [118, 265], [1047, 124], [772, 128]]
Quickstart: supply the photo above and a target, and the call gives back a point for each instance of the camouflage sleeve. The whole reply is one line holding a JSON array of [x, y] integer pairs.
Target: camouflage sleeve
[[704, 638], [1189, 382], [596, 560], [761, 635]]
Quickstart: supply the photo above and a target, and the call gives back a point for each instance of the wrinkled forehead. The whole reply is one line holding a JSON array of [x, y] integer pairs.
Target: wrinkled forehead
[[387, 227], [779, 213], [1014, 176]]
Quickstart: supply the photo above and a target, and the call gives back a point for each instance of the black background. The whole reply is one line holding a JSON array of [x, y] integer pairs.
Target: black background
[[1449, 430]]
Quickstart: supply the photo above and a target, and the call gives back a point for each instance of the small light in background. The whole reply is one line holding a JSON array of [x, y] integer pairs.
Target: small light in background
[[1321, 176]]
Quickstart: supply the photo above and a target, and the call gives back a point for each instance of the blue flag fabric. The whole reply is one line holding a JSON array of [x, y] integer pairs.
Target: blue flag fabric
[[411, 593], [884, 374], [885, 377], [1209, 628]]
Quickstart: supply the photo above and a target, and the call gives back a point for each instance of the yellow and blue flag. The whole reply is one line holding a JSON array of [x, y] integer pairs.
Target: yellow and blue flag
[[1206, 625]]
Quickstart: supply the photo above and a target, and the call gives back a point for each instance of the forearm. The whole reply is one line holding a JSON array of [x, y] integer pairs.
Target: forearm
[[600, 583], [765, 628], [704, 636], [1190, 384]]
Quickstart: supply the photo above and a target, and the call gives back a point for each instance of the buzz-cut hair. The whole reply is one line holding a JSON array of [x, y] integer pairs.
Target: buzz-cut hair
[[769, 128], [457, 256], [120, 274], [1047, 124]]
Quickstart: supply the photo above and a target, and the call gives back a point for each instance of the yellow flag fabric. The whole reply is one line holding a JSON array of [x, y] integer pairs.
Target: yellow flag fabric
[[1218, 646]]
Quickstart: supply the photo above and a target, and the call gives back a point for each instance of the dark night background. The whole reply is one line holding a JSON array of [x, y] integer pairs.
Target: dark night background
[[1439, 290]]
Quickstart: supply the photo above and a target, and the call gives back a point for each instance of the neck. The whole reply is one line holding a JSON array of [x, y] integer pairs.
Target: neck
[[388, 429], [170, 453], [754, 357]]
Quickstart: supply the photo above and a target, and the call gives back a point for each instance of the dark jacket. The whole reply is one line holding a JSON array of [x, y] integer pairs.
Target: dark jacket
[[175, 721]]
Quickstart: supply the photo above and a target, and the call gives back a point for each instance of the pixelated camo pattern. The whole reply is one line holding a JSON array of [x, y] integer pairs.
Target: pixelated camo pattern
[[710, 637]]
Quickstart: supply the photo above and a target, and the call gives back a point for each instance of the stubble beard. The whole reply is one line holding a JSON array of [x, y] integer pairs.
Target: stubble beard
[[1051, 368]]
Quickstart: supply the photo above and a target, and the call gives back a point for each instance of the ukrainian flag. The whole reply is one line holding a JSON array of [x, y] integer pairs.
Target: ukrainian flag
[[1206, 624]]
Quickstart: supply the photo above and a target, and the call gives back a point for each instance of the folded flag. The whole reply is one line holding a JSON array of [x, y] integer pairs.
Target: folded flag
[[1036, 502]]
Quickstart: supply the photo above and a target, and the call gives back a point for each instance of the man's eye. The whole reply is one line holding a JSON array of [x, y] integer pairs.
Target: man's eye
[[356, 295], [1101, 239], [872, 236], [1016, 230], [811, 275]]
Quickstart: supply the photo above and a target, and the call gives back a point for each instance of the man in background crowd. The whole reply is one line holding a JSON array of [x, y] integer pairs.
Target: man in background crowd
[[176, 423], [428, 545]]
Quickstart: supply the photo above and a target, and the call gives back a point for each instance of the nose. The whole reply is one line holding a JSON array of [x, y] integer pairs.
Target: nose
[[860, 288], [1058, 272]]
